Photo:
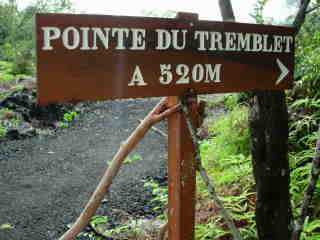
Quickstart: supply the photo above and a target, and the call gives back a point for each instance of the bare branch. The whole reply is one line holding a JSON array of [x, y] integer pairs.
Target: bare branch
[[312, 9]]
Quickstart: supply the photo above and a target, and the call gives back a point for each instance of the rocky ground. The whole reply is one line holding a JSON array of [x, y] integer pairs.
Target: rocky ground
[[22, 117], [45, 180]]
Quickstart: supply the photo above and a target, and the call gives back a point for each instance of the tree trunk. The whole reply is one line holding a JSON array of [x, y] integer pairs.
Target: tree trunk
[[268, 122], [226, 10]]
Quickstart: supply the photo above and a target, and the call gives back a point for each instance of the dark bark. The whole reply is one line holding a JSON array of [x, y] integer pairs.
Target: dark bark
[[269, 136], [226, 10], [301, 15]]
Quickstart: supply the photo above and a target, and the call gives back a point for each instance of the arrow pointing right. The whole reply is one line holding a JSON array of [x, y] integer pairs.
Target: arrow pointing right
[[284, 71]]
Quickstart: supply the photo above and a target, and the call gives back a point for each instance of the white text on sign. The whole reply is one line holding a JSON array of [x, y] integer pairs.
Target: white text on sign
[[95, 38], [198, 73]]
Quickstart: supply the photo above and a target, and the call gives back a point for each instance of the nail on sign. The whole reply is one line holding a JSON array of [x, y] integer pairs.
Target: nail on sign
[[92, 57]]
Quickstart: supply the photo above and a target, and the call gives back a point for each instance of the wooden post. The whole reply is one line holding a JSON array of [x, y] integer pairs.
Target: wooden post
[[181, 170], [182, 176]]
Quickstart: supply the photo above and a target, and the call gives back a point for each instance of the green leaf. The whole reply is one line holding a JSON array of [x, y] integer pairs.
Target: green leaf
[[312, 226], [130, 159], [98, 220], [6, 226]]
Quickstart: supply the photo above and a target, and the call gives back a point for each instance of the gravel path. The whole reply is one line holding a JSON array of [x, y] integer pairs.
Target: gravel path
[[45, 181]]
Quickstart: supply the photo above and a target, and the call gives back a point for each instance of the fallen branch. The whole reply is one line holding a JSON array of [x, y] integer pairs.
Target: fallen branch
[[223, 212], [160, 112], [315, 172]]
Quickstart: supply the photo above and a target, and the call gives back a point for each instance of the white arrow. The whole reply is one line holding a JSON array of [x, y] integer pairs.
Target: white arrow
[[284, 71]]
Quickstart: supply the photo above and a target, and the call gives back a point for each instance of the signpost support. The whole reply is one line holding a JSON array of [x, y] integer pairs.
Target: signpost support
[[181, 168], [182, 176]]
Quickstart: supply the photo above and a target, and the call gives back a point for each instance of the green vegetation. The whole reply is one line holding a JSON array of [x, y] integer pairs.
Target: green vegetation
[[6, 226], [8, 119], [226, 157], [130, 229], [17, 38], [304, 106], [89, 236], [227, 101], [160, 196], [126, 230], [6, 72], [3, 131], [68, 118], [8, 76], [96, 220], [131, 159]]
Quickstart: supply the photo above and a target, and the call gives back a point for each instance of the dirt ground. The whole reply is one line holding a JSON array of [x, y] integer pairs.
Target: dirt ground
[[46, 180]]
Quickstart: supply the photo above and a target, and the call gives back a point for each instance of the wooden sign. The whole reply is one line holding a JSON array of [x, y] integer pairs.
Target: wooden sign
[[92, 57]]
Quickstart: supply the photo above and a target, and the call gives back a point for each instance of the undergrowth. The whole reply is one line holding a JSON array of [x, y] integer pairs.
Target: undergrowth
[[8, 74], [8, 119], [226, 156], [160, 196]]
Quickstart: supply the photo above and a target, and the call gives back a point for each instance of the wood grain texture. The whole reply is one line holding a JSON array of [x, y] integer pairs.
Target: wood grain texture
[[75, 75]]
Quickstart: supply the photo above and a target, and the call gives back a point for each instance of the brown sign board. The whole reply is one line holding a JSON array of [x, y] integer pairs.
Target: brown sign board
[[95, 57]]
